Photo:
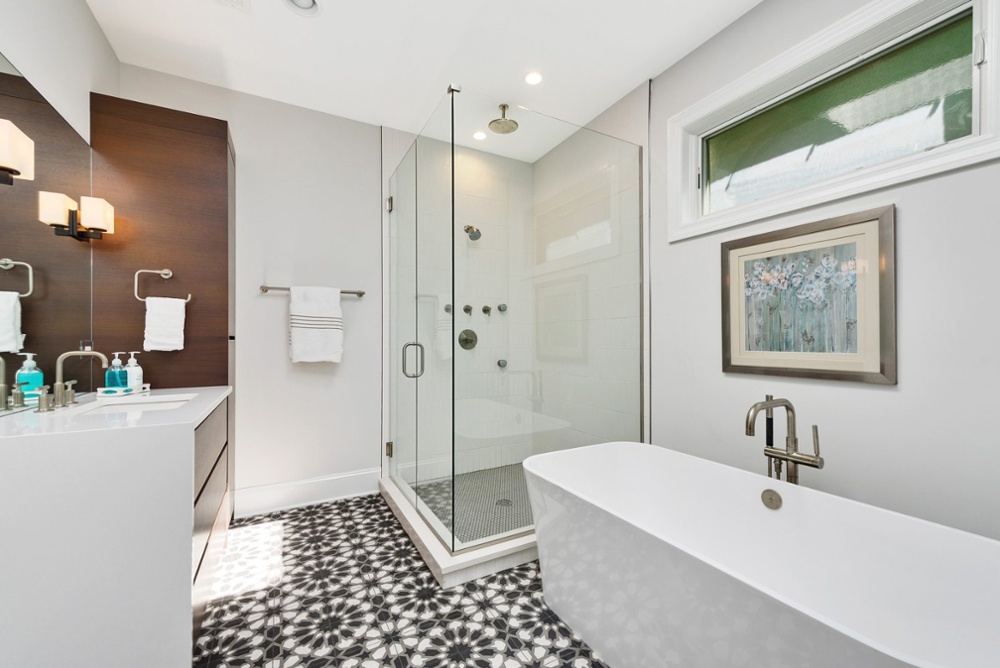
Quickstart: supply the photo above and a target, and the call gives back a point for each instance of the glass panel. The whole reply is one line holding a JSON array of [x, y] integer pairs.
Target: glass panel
[[434, 323], [910, 99], [403, 323], [547, 221], [528, 243]]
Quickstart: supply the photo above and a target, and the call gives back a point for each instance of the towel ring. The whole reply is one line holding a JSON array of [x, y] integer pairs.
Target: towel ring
[[163, 273], [7, 264]]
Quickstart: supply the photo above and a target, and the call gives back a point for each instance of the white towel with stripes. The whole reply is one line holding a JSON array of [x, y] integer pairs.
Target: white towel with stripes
[[315, 324]]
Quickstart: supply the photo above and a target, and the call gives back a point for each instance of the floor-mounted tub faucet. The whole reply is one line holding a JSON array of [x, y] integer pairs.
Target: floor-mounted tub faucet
[[791, 453]]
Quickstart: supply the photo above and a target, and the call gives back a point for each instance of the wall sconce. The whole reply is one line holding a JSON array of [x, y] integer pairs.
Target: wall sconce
[[94, 218], [17, 154]]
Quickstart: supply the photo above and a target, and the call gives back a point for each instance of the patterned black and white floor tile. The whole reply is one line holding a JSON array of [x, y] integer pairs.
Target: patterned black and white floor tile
[[488, 502], [340, 585]]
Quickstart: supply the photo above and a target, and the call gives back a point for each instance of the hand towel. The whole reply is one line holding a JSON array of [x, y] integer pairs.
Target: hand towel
[[443, 328], [315, 324], [164, 323], [11, 338]]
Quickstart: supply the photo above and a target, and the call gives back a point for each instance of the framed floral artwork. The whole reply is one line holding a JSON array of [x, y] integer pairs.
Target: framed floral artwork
[[813, 301]]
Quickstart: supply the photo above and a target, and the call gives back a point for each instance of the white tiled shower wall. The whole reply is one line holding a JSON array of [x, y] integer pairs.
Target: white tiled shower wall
[[559, 247], [587, 226]]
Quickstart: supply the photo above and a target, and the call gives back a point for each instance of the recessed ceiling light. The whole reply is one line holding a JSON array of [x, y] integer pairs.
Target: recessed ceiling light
[[479, 136], [304, 7], [533, 78]]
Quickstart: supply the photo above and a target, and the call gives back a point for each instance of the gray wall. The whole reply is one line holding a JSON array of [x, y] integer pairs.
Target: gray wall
[[307, 213], [926, 447]]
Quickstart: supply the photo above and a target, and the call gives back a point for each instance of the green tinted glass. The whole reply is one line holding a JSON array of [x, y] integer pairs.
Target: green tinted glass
[[904, 101]]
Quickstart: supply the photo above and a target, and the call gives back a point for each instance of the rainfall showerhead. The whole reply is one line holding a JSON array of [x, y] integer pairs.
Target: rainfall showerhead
[[473, 232], [503, 125]]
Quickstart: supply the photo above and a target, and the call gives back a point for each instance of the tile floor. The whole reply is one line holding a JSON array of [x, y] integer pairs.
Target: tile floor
[[341, 585]]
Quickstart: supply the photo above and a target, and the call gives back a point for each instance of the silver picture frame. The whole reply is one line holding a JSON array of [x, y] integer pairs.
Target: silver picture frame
[[813, 301]]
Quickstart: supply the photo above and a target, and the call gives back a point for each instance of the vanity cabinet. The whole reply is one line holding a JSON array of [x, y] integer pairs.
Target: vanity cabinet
[[211, 507], [112, 518]]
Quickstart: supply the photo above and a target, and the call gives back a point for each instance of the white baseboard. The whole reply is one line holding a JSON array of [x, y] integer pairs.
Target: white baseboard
[[284, 495]]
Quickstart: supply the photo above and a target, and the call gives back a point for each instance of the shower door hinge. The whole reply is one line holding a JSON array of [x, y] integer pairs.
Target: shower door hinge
[[388, 449], [388, 204]]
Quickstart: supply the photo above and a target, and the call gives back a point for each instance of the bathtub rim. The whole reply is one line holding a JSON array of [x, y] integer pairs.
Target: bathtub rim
[[530, 467]]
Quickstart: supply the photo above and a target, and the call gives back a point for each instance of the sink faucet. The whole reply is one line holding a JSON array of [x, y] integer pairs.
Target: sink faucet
[[59, 388], [791, 453]]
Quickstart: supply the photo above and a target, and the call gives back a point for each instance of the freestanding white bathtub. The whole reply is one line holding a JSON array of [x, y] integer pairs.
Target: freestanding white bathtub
[[657, 558]]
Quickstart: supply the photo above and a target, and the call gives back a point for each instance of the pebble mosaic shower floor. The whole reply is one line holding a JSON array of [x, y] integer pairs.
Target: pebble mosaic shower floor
[[340, 585], [488, 502]]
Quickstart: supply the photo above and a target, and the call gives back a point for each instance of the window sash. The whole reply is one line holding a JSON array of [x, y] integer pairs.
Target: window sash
[[925, 40]]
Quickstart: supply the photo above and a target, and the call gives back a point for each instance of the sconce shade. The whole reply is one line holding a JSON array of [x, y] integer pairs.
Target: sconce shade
[[54, 208], [17, 153], [97, 214]]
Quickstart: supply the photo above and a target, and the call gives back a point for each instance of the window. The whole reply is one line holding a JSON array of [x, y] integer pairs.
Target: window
[[887, 105]]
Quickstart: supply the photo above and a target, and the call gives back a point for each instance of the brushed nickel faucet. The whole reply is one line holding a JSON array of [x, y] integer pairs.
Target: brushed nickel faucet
[[790, 454], [59, 388]]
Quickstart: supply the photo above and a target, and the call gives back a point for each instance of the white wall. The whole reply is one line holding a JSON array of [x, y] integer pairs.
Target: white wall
[[58, 46], [307, 211], [925, 447]]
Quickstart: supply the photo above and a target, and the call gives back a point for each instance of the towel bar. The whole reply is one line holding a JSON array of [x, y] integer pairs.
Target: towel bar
[[267, 288], [7, 264], [163, 273]]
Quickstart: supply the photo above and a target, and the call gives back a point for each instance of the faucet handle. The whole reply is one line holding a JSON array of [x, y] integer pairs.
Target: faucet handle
[[816, 440], [69, 396], [44, 400], [17, 395]]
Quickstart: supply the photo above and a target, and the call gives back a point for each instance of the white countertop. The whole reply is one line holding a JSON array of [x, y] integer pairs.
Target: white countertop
[[180, 406]]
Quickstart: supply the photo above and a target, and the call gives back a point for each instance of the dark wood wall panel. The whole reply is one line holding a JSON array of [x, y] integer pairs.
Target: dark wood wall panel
[[166, 173], [57, 315]]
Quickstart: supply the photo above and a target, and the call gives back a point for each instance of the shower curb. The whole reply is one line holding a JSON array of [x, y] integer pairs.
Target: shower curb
[[450, 569]]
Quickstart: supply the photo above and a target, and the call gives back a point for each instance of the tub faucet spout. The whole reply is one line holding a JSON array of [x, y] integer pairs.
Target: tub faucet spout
[[791, 453]]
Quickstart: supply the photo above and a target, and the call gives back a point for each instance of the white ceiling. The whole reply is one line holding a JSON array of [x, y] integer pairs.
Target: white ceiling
[[390, 62]]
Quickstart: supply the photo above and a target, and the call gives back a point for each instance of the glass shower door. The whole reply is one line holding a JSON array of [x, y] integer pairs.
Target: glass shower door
[[403, 324]]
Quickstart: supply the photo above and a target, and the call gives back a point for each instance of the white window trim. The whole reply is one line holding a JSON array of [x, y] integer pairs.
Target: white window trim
[[859, 33]]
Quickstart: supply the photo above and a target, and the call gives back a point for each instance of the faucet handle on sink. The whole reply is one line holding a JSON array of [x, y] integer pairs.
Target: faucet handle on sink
[[44, 400], [69, 395]]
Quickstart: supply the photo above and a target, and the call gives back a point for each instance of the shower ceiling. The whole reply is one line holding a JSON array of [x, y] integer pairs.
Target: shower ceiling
[[389, 63]]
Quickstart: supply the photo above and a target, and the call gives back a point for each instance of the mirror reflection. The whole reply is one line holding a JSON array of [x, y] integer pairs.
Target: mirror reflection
[[55, 316]]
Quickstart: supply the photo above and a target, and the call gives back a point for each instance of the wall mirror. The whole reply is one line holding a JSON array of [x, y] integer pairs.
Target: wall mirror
[[56, 317]]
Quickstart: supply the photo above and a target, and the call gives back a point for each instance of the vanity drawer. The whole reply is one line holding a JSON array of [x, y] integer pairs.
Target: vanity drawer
[[206, 508], [209, 439]]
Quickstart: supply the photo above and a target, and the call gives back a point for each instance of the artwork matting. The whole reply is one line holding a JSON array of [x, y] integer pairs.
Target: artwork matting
[[813, 301]]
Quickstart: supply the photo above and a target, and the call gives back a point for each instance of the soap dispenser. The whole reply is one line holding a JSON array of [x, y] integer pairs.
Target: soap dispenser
[[116, 376], [134, 372], [32, 376]]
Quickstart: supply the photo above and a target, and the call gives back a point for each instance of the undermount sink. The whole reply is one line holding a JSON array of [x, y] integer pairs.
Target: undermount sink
[[122, 406], [144, 402]]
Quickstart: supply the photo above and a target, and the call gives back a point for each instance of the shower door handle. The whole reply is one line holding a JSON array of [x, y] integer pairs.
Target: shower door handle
[[420, 348]]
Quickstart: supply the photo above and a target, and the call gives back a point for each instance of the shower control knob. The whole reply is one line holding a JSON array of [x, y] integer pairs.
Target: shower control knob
[[447, 308], [502, 308], [467, 339], [486, 310], [502, 364], [467, 309]]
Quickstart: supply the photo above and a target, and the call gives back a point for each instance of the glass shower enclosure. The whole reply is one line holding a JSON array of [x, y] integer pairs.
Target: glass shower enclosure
[[514, 305]]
